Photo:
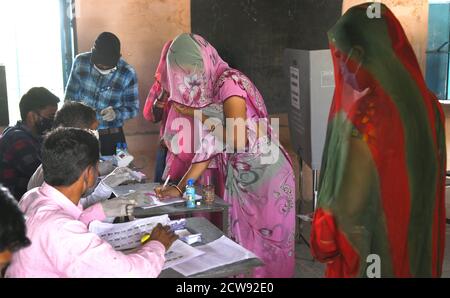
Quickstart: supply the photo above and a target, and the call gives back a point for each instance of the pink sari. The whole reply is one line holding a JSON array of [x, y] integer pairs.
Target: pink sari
[[177, 164], [261, 194]]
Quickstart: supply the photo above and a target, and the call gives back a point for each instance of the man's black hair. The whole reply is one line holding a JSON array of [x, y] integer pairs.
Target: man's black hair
[[66, 153], [12, 223], [74, 114], [36, 99]]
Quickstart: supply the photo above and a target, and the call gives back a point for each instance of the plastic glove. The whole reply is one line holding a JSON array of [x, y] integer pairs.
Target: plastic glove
[[118, 176], [105, 167], [118, 207], [108, 114], [100, 193]]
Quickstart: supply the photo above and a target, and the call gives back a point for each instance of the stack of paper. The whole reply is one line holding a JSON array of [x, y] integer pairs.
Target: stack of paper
[[179, 253], [127, 235], [188, 237], [218, 253]]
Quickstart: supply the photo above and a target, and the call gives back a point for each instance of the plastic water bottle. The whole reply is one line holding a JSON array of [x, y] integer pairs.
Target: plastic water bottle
[[125, 148], [118, 149], [190, 194]]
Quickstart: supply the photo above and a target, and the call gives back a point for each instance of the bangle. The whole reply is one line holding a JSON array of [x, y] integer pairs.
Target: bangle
[[179, 190]]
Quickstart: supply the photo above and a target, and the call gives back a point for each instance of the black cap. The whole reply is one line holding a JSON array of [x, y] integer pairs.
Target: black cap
[[106, 50]]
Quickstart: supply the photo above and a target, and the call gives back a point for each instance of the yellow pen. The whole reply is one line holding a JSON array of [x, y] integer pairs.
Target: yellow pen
[[145, 238]]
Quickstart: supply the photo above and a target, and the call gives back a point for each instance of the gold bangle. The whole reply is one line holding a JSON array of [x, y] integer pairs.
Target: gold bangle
[[179, 190]]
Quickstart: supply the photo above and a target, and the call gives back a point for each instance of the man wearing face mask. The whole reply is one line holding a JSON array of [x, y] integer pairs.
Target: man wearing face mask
[[78, 115], [63, 246], [107, 83], [20, 144]]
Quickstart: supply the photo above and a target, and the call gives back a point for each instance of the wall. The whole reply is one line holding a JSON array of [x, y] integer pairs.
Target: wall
[[252, 36], [143, 26], [413, 15]]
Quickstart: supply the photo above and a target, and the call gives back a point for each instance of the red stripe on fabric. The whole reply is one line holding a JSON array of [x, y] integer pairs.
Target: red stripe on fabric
[[330, 245], [407, 57], [384, 134]]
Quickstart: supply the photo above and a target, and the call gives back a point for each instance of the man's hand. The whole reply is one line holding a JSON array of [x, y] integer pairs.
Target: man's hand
[[163, 235], [108, 114], [118, 176], [118, 207]]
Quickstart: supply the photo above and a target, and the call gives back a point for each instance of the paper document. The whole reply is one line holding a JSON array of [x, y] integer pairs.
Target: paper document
[[179, 253], [186, 236], [127, 235], [218, 253]]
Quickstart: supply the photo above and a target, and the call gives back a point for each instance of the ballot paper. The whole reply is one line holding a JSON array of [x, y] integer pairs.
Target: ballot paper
[[218, 253], [127, 235], [179, 253]]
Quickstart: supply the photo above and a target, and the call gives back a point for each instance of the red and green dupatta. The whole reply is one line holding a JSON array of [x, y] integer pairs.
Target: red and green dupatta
[[382, 184]]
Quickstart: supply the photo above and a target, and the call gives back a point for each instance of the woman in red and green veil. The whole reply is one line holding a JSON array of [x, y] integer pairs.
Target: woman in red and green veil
[[382, 184]]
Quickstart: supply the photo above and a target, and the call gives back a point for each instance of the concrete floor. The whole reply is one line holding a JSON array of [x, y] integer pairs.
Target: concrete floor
[[306, 268]]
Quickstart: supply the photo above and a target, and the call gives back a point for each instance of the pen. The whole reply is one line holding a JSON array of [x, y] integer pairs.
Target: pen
[[167, 181], [145, 238]]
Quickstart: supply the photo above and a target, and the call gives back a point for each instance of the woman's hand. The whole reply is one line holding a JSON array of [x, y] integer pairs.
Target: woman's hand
[[167, 192], [183, 110]]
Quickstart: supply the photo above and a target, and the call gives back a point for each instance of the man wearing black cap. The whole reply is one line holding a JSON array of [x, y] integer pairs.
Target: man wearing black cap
[[20, 154], [104, 81]]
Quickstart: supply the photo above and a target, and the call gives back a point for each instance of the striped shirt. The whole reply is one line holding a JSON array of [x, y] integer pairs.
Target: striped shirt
[[118, 89]]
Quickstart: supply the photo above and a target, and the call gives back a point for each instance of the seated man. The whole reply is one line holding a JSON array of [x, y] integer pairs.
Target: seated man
[[20, 144], [78, 115], [62, 244], [12, 228]]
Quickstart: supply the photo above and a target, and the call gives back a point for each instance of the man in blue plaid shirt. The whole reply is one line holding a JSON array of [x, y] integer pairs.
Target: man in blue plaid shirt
[[103, 80]]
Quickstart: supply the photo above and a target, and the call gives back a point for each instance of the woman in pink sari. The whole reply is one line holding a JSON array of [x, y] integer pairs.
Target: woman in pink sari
[[158, 109], [255, 170]]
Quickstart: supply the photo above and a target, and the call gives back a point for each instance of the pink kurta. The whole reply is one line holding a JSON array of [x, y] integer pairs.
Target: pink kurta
[[62, 246]]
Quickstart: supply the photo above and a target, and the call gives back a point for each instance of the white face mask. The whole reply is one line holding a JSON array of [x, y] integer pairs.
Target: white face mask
[[105, 72], [95, 133]]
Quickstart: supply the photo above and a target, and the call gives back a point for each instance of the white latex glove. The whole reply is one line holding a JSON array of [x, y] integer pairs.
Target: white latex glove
[[105, 167], [100, 193], [108, 114], [118, 176], [118, 207]]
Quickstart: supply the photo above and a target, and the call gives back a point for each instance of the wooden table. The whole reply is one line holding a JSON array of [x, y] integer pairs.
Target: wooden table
[[210, 233]]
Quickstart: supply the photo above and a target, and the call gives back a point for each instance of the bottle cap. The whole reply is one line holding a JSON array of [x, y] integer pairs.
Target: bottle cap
[[190, 182]]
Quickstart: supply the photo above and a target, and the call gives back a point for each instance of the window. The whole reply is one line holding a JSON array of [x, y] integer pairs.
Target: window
[[437, 70], [35, 49]]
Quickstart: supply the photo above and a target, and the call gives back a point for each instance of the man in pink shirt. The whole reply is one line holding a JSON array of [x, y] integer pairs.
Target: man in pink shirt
[[62, 245], [12, 228]]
